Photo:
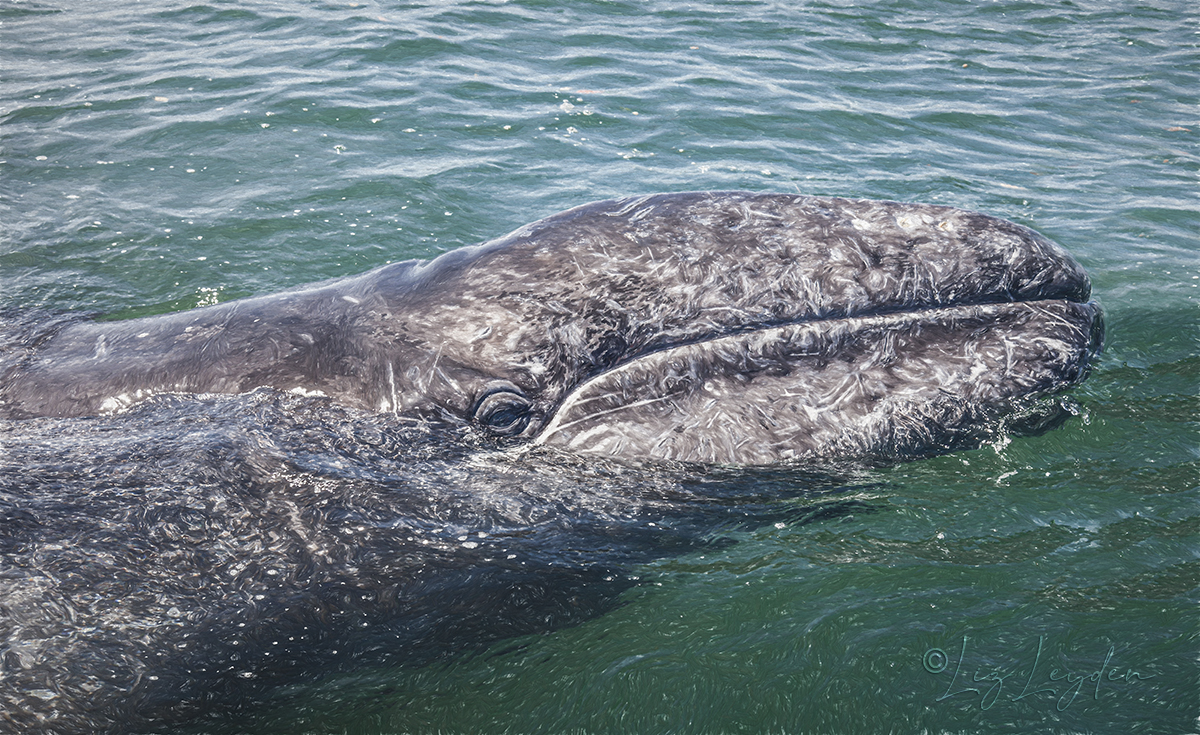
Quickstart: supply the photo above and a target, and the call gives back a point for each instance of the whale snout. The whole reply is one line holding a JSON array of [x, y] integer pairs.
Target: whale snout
[[887, 331]]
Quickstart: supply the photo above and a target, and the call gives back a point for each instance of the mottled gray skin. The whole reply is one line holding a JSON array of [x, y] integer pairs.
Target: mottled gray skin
[[711, 327]]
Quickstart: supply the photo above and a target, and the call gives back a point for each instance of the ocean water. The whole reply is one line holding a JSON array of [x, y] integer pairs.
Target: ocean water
[[159, 156]]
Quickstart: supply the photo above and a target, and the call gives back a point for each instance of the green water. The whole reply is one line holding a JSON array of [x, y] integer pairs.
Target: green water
[[157, 156]]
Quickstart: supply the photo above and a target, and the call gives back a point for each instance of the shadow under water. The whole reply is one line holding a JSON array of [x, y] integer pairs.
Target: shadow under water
[[183, 561]]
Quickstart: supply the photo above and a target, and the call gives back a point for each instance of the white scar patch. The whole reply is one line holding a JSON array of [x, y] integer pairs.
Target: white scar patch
[[116, 403], [578, 441], [309, 392]]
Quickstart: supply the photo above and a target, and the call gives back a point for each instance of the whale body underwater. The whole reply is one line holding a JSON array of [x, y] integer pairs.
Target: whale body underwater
[[707, 327], [201, 510]]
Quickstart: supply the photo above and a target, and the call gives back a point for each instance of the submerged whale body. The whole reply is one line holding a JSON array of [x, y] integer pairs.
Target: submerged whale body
[[708, 327]]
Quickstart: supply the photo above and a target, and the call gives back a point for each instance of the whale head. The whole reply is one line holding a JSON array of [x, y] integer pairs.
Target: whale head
[[747, 328], [705, 327]]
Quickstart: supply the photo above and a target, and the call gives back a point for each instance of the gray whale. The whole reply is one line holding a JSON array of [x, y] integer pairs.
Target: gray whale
[[201, 510], [709, 327]]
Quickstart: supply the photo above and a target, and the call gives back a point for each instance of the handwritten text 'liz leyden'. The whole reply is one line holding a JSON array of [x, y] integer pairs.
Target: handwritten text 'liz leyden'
[[1060, 681]]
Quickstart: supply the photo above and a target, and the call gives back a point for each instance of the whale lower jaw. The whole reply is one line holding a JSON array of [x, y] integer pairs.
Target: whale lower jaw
[[885, 386]]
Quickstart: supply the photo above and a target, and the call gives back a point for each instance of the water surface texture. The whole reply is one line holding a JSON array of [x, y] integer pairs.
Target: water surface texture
[[159, 156]]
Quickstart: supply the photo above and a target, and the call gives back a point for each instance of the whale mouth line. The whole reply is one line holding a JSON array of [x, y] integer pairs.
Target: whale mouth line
[[1056, 283]]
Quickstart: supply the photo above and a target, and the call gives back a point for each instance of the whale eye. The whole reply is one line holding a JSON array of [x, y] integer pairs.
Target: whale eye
[[504, 410]]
